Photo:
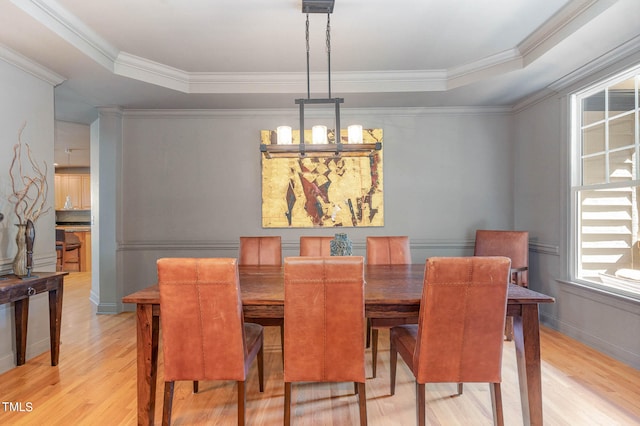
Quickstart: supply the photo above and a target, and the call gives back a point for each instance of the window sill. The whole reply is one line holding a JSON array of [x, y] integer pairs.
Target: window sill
[[605, 290]]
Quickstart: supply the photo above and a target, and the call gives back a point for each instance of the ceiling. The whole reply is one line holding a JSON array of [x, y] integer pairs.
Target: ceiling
[[230, 54]]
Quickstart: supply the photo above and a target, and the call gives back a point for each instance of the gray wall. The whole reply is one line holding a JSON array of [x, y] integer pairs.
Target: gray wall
[[191, 182], [606, 322], [191, 187], [25, 99]]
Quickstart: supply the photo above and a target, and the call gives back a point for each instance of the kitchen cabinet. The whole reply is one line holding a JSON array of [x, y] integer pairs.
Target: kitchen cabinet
[[77, 187], [85, 192]]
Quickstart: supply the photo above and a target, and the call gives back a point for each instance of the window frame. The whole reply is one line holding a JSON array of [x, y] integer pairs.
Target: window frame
[[577, 186]]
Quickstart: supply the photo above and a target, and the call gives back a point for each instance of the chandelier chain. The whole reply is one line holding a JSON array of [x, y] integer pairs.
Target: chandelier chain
[[328, 33], [306, 33]]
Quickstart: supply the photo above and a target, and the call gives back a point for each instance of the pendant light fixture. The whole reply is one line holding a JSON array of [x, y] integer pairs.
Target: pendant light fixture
[[319, 142]]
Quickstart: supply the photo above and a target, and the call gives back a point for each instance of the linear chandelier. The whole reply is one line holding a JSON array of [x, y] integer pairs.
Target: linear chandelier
[[323, 141]]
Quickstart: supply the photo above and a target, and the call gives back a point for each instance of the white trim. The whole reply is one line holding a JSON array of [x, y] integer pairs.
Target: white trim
[[569, 19], [52, 15], [500, 63], [279, 112], [27, 65], [577, 261], [622, 51]]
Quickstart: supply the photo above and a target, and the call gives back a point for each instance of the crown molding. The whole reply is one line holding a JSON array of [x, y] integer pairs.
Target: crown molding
[[27, 65], [500, 63], [389, 81], [626, 50], [630, 47], [138, 68], [132, 66], [571, 17], [53, 16], [280, 112]]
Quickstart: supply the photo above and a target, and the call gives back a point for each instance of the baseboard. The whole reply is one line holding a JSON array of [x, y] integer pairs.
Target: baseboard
[[594, 342], [8, 361], [94, 298], [107, 309]]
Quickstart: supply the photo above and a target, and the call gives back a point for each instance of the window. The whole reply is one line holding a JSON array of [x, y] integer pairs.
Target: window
[[605, 182]]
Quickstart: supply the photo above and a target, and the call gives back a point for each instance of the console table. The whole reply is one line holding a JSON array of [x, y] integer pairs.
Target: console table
[[17, 290]]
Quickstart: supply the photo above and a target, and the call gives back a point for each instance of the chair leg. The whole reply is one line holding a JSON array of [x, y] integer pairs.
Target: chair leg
[[362, 402], [287, 403], [242, 399], [167, 404], [195, 386], [460, 386], [496, 403], [282, 342], [261, 368], [374, 350], [508, 329], [420, 404], [393, 363], [368, 332]]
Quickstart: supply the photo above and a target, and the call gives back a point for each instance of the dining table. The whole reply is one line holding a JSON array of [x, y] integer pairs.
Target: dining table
[[391, 291]]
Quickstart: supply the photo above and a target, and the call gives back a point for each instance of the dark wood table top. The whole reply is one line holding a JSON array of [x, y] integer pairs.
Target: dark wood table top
[[385, 284], [13, 287]]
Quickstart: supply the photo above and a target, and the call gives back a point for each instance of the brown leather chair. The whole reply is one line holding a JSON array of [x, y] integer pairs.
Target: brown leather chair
[[324, 340], [263, 251], [458, 337], [260, 251], [388, 251], [204, 336], [511, 244], [385, 251], [315, 246]]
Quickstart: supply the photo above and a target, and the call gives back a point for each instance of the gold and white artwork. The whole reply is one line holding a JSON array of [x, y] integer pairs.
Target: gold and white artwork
[[323, 191]]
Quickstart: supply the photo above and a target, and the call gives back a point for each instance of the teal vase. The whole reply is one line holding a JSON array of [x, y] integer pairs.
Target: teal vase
[[341, 245]]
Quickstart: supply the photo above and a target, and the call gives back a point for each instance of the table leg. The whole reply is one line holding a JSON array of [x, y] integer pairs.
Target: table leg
[[147, 335], [21, 311], [527, 342], [55, 320]]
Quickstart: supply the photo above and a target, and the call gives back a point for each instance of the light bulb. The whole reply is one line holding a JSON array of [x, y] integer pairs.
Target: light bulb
[[284, 135], [355, 133], [319, 134]]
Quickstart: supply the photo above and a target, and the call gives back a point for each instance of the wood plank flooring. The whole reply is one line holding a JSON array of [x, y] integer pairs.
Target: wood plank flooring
[[95, 384]]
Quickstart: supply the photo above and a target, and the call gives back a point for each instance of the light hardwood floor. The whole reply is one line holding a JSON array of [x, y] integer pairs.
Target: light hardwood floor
[[95, 384]]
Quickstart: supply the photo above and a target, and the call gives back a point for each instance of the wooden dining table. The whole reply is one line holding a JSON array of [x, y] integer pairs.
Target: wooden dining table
[[391, 291]]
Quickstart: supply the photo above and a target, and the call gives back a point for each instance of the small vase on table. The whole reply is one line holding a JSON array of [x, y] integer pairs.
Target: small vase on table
[[20, 261], [341, 245]]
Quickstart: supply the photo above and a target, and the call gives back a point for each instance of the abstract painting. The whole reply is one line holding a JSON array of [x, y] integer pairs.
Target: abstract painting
[[323, 190]]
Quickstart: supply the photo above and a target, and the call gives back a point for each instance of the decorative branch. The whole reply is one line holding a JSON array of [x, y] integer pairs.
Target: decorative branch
[[30, 193]]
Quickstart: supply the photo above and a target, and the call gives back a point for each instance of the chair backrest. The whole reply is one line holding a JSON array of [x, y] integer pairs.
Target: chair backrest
[[324, 319], [202, 323], [388, 251], [315, 246], [462, 318], [511, 244], [261, 251]]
